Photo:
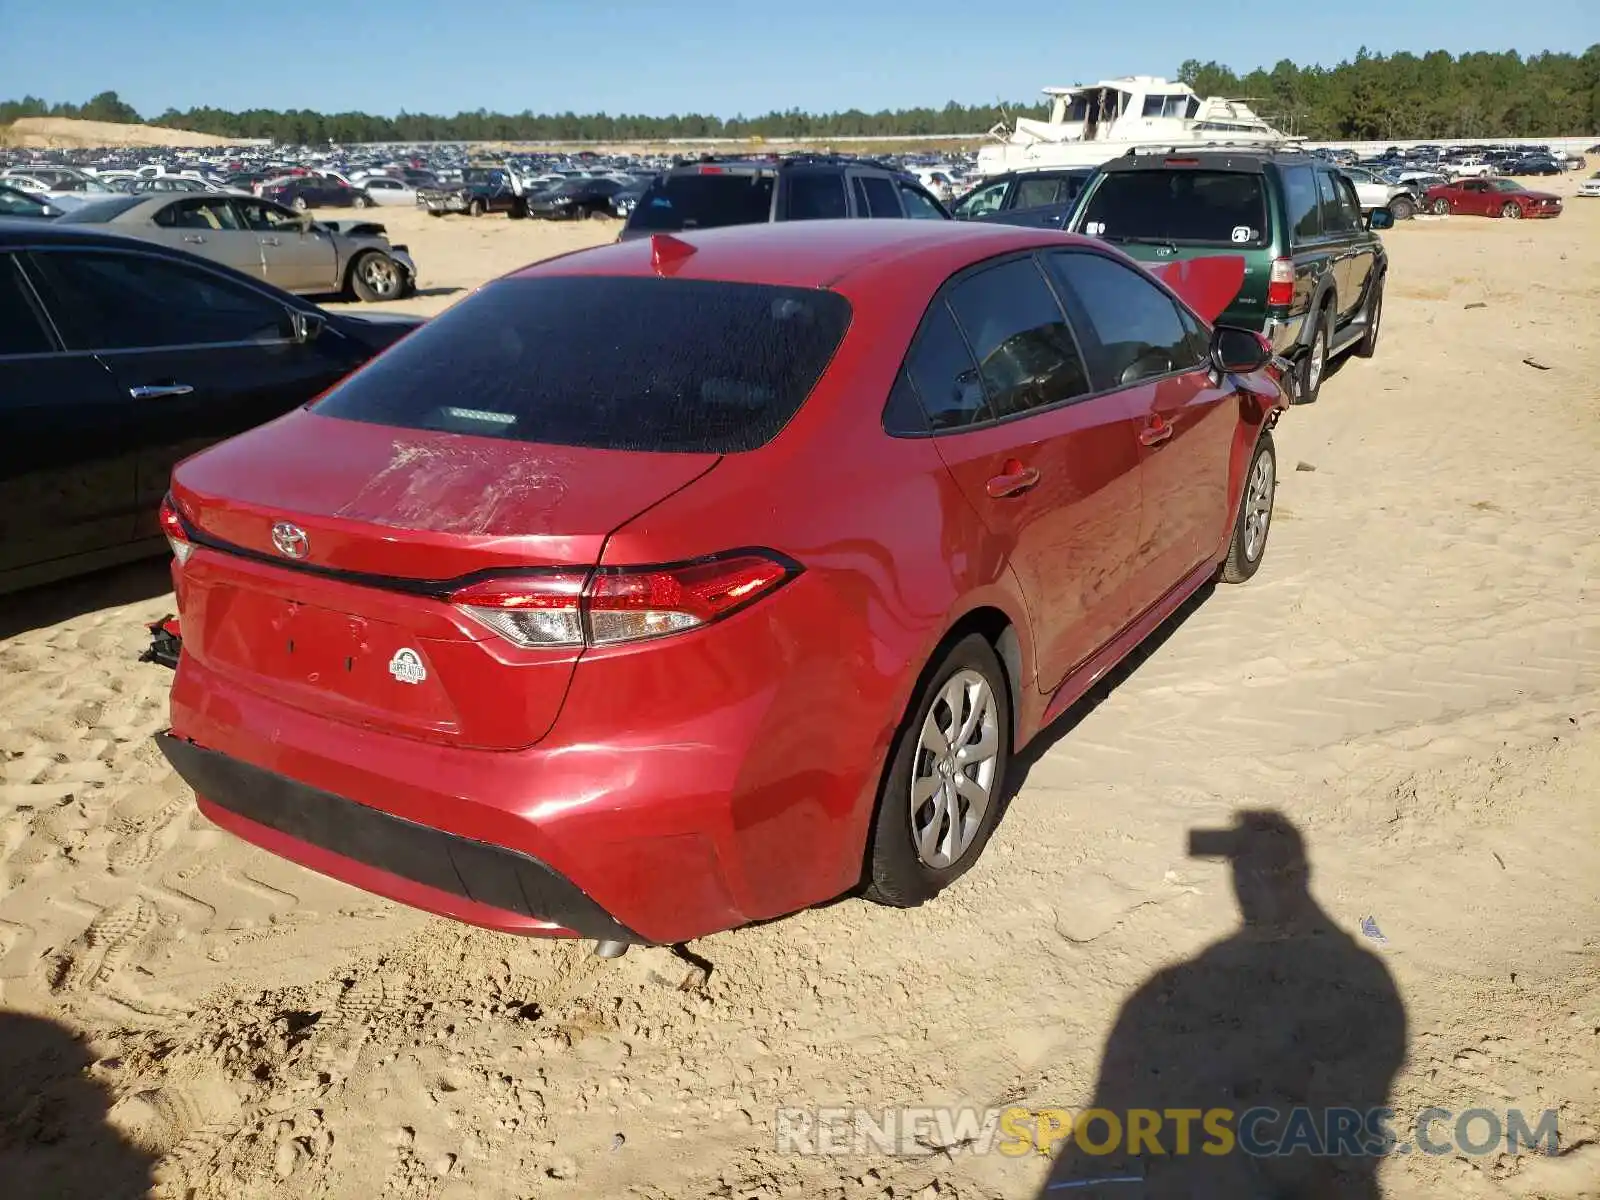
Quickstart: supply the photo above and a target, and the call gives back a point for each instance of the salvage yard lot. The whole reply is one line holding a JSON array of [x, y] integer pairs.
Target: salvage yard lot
[[1410, 680]]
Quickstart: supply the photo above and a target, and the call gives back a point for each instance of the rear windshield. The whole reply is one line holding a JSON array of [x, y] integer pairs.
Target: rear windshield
[[678, 202], [609, 363], [1197, 207]]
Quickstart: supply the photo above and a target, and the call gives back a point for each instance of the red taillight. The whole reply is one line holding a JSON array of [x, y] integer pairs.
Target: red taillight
[[1280, 284], [621, 604], [1183, 162], [172, 526], [712, 171]]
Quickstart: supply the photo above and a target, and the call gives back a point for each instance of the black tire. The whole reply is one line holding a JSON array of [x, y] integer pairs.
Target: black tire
[[1511, 210], [436, 212], [1441, 207], [1402, 208], [360, 202], [518, 211], [1368, 345], [1309, 382], [896, 873], [375, 277], [475, 208], [299, 204], [1248, 545]]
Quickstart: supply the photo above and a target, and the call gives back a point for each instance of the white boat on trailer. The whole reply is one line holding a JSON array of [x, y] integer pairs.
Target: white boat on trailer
[[1093, 123]]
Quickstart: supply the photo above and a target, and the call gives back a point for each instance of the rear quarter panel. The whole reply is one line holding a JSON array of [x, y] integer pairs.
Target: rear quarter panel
[[893, 556]]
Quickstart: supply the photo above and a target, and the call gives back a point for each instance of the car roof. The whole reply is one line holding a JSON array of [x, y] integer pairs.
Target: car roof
[[807, 253], [21, 231], [1228, 158]]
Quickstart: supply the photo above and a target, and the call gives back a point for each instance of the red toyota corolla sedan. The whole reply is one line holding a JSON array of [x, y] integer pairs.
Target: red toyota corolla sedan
[[689, 581]]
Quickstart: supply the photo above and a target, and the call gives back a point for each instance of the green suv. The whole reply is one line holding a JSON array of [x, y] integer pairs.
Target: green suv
[[1314, 268]]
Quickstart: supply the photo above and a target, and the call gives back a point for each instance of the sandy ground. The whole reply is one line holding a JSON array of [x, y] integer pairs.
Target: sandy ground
[[63, 133], [1411, 679]]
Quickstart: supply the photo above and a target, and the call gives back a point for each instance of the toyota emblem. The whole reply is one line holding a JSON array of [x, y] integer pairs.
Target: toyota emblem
[[290, 540]]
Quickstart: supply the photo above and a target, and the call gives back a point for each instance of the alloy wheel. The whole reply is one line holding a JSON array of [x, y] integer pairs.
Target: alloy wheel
[[381, 275], [1258, 505], [953, 776]]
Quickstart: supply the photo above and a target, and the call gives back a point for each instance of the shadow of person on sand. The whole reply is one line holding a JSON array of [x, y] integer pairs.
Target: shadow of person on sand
[[55, 1141], [1288, 1013]]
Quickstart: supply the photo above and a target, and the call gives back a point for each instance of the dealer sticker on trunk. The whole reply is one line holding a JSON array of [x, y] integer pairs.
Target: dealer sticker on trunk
[[406, 666]]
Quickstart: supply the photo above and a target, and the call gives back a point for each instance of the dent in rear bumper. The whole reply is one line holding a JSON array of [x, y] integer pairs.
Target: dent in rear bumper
[[490, 878]]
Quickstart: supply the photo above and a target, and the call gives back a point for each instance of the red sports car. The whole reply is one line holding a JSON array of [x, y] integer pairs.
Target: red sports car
[[1490, 198], [693, 580]]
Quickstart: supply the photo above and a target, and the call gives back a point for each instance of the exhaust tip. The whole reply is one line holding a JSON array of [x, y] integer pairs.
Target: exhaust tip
[[610, 949]]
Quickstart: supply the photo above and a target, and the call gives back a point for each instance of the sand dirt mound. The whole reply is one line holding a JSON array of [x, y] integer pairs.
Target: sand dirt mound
[[61, 133]]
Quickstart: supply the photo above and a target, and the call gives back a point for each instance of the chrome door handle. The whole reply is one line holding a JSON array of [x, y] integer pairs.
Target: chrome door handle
[[193, 237], [159, 391], [271, 242]]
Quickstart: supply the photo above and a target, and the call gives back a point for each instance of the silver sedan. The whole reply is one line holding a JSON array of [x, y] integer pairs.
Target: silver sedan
[[264, 239]]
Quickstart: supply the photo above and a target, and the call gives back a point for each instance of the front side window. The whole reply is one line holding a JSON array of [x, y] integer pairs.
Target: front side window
[[106, 300], [984, 200], [1332, 208], [1135, 331], [1027, 357]]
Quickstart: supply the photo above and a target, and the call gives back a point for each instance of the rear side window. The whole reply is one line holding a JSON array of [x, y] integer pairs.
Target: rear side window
[[942, 371], [680, 202], [1197, 207], [1300, 198], [20, 329], [816, 196], [1031, 193], [608, 363], [880, 196], [1027, 357]]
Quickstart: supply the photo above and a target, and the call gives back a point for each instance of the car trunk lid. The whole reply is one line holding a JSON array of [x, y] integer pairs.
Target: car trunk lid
[[329, 549]]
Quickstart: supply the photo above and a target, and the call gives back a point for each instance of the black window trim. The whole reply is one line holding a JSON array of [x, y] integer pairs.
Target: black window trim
[[23, 251], [941, 296]]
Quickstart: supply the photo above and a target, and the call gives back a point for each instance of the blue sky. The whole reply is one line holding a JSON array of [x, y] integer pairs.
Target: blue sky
[[721, 57]]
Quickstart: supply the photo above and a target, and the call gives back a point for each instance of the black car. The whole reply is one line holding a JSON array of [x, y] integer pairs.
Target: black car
[[118, 358], [1532, 164], [576, 200], [313, 191], [480, 190], [715, 192], [1041, 198]]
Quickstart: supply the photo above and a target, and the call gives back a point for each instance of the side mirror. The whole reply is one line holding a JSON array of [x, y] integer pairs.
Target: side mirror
[[1238, 351], [307, 326], [1381, 218]]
